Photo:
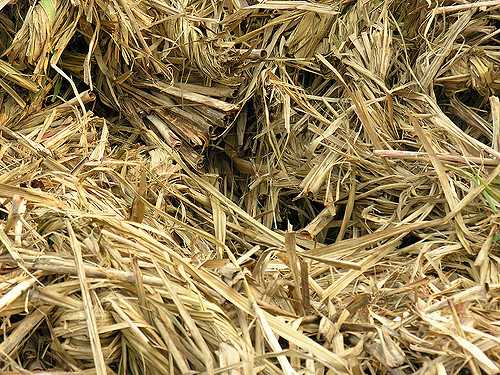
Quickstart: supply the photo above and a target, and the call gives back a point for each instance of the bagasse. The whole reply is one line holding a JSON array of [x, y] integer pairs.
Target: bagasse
[[241, 187]]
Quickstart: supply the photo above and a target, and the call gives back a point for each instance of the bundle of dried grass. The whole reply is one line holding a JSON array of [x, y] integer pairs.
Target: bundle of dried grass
[[236, 187]]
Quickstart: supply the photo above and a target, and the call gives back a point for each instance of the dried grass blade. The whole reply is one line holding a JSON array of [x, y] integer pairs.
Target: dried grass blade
[[495, 117], [290, 246], [273, 342], [88, 305]]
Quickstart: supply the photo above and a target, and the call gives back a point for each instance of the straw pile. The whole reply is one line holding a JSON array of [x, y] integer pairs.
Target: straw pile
[[242, 187]]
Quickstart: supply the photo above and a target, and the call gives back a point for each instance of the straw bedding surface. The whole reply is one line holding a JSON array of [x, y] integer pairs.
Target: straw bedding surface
[[241, 187]]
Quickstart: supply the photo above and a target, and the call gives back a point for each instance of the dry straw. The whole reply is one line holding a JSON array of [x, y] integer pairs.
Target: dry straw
[[244, 187]]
